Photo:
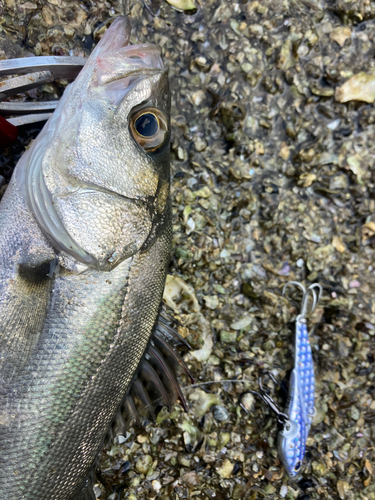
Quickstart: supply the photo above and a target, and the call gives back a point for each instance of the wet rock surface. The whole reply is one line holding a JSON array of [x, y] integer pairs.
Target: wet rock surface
[[272, 180]]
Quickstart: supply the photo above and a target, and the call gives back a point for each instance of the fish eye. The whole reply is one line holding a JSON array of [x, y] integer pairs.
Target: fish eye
[[297, 466], [149, 128], [147, 125]]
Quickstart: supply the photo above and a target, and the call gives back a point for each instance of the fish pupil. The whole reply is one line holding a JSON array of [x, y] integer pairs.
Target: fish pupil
[[147, 125]]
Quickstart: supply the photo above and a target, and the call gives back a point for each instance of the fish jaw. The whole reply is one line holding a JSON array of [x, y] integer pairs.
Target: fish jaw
[[88, 171]]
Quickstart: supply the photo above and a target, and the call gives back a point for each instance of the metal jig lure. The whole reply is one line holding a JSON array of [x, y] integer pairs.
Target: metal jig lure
[[296, 420]]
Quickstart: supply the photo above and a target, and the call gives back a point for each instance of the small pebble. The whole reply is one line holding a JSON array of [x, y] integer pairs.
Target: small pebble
[[355, 413], [283, 490], [247, 402], [242, 323], [97, 491], [143, 463], [220, 413], [156, 485], [190, 479]]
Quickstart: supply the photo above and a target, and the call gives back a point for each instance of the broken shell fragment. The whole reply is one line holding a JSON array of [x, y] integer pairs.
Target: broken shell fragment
[[226, 470], [204, 401], [182, 5], [360, 87], [340, 35]]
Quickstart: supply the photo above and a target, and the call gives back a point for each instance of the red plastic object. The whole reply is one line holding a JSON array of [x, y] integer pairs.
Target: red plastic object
[[8, 133]]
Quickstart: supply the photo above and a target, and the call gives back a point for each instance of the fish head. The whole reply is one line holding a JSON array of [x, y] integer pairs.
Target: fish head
[[98, 182]]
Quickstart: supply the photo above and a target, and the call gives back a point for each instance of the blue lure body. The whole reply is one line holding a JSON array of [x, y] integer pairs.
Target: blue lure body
[[297, 418], [300, 405]]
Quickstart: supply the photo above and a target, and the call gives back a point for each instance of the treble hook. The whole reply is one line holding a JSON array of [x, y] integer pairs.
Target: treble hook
[[320, 293], [306, 294], [267, 399]]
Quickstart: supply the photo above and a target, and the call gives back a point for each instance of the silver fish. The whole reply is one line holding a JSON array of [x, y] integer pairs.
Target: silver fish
[[85, 241]]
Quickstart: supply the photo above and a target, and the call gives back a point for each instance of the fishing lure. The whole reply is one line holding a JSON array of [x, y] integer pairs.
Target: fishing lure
[[296, 420], [300, 405]]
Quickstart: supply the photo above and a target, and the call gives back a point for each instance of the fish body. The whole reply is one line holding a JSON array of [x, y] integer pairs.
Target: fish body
[[85, 241]]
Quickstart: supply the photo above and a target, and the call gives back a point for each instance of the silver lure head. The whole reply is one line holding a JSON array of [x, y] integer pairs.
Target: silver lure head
[[97, 177], [290, 448], [292, 438]]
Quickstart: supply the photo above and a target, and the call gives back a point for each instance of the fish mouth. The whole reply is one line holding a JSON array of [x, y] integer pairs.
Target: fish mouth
[[118, 73], [115, 58], [118, 66], [132, 60]]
